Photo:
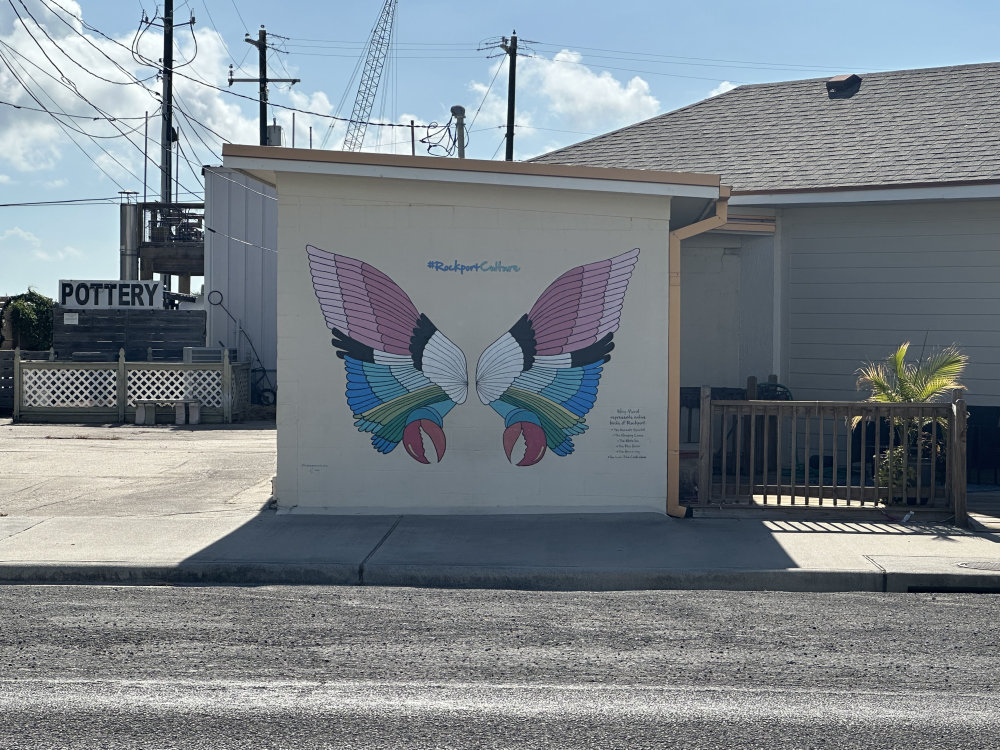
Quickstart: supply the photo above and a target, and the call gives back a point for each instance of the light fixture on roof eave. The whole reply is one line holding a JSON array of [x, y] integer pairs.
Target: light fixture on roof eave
[[844, 86]]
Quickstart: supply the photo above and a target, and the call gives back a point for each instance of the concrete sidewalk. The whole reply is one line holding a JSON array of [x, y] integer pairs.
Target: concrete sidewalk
[[190, 505]]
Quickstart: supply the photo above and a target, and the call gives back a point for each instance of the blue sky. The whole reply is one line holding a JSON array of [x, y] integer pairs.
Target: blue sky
[[589, 67]]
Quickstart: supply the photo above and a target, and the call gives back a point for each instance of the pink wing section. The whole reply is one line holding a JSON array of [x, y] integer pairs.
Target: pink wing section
[[582, 305], [361, 301]]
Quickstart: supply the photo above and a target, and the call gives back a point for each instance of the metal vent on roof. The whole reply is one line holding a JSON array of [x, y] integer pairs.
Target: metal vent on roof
[[843, 87]]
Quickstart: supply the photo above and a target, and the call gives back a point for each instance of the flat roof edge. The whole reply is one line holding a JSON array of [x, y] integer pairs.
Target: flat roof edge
[[470, 165]]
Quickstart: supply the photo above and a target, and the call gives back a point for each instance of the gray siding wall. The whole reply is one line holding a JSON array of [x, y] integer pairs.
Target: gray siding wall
[[859, 280], [240, 208], [726, 309]]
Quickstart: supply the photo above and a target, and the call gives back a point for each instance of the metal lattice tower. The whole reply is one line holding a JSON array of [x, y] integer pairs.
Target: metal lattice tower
[[378, 47]]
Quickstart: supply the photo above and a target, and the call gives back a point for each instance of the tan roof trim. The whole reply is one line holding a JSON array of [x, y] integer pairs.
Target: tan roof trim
[[470, 165], [880, 186]]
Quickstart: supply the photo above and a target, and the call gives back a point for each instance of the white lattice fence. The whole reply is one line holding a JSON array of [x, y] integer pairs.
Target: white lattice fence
[[69, 388], [167, 385]]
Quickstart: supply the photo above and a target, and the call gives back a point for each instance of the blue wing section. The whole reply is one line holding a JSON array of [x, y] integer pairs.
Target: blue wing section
[[557, 399], [573, 388], [370, 384], [385, 398]]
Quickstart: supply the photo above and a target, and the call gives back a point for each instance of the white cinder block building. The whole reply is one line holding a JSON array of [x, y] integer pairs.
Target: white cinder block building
[[463, 336]]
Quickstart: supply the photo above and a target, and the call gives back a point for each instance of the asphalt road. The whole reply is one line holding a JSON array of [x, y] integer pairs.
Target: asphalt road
[[88, 667]]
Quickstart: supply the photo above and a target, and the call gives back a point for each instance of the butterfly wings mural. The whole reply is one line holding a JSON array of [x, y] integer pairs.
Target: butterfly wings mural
[[404, 375], [541, 376]]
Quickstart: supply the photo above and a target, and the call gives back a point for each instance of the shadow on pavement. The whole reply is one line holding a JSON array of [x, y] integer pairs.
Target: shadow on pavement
[[348, 548], [293, 548]]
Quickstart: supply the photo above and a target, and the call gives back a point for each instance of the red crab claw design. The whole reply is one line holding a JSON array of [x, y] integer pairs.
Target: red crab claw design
[[413, 439], [534, 442]]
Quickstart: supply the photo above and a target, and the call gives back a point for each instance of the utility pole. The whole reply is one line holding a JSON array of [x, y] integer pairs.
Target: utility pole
[[261, 44], [458, 112], [511, 50], [167, 133]]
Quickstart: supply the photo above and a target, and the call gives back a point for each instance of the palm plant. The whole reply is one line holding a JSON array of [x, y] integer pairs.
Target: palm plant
[[896, 381]]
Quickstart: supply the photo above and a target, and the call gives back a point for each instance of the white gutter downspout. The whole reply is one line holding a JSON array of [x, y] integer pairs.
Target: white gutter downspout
[[674, 507]]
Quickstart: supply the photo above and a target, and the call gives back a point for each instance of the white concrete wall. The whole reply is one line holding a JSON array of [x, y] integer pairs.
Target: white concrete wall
[[859, 280], [726, 309], [326, 464], [241, 262]]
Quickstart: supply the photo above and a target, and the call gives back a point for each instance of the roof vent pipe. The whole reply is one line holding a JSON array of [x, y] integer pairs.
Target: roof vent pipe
[[843, 87]]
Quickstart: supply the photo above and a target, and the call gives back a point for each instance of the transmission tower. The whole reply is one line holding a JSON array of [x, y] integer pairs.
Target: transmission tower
[[378, 47]]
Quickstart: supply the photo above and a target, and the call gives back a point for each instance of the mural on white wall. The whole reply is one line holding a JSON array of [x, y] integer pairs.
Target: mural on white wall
[[404, 375], [541, 376]]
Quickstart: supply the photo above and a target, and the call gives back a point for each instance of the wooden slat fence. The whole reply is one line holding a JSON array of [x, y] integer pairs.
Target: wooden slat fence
[[832, 453], [161, 333]]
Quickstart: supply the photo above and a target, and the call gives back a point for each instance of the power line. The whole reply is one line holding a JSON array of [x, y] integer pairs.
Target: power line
[[55, 113], [133, 79], [500, 146], [575, 47], [146, 61], [65, 128], [180, 151], [67, 114], [488, 88], [554, 130], [359, 60], [296, 45], [66, 82], [240, 16], [361, 44], [192, 122], [215, 28], [65, 202], [245, 187], [631, 70], [401, 57], [255, 99], [237, 239]]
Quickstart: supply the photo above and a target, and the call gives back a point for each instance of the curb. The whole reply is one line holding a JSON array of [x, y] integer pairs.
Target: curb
[[604, 579], [207, 574], [500, 577]]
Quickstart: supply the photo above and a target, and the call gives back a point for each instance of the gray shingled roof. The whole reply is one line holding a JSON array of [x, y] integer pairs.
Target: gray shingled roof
[[905, 126]]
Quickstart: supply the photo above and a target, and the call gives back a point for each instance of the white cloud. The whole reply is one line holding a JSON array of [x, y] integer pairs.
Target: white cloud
[[592, 101], [57, 183], [34, 142], [385, 140], [486, 119], [18, 238], [59, 255], [722, 88], [493, 109], [5, 179]]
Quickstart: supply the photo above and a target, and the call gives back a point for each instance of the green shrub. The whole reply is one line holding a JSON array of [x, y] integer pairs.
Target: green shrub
[[30, 320]]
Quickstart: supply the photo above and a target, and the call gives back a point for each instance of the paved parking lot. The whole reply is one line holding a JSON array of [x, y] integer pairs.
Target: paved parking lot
[[124, 470]]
